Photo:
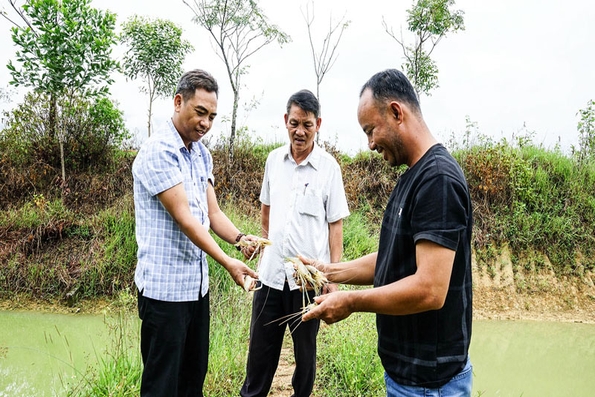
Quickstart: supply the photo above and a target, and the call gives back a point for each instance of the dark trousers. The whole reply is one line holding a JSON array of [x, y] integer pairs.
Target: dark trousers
[[266, 339], [174, 343]]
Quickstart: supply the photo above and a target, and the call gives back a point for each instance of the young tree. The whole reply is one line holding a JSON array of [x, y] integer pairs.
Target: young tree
[[586, 131], [239, 29], [326, 57], [429, 21], [155, 53], [65, 49]]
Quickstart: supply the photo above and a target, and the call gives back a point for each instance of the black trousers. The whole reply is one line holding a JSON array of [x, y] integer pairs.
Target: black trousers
[[174, 346], [267, 330]]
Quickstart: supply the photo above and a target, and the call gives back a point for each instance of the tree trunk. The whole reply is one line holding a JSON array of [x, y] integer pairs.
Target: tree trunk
[[234, 115], [151, 99], [52, 115], [63, 166], [150, 114], [318, 97]]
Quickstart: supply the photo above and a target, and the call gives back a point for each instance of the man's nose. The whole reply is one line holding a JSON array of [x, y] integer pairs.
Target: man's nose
[[204, 122], [371, 144]]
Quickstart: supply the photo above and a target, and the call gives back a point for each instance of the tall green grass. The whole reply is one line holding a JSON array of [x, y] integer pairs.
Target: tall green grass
[[110, 265], [119, 368], [538, 202], [347, 358], [348, 364]]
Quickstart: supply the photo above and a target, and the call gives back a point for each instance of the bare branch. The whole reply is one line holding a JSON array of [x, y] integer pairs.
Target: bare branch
[[326, 58], [389, 31], [21, 13]]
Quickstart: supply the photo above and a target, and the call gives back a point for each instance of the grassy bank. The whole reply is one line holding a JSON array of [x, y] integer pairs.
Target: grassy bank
[[348, 364], [79, 244], [532, 205]]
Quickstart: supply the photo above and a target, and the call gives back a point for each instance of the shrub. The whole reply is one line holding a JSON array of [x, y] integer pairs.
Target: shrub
[[30, 155]]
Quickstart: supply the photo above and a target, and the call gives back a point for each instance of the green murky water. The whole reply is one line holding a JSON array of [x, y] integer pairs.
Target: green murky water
[[41, 354], [533, 358]]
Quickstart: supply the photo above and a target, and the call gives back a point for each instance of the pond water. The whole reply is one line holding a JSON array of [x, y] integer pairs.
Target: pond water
[[533, 358], [42, 353]]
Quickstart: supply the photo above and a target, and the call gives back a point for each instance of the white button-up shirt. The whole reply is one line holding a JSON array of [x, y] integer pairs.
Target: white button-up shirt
[[303, 200]]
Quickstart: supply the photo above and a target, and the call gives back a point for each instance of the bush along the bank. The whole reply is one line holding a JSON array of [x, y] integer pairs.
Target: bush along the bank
[[79, 243]]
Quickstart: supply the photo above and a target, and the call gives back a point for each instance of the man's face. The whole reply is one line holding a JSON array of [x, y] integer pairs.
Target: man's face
[[194, 118], [301, 127], [382, 128]]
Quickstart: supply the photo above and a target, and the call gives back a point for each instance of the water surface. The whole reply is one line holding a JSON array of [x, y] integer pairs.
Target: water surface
[[533, 358], [42, 353]]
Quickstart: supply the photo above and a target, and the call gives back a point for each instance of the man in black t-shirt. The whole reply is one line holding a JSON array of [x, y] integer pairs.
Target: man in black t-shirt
[[422, 293]]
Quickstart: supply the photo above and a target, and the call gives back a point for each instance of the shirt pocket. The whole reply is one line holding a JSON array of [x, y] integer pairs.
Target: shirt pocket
[[311, 204]]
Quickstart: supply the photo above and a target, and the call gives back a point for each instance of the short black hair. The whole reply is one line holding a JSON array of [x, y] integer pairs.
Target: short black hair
[[194, 80], [306, 101], [392, 84]]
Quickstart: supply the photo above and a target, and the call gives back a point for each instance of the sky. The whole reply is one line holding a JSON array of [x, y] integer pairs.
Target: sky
[[519, 67]]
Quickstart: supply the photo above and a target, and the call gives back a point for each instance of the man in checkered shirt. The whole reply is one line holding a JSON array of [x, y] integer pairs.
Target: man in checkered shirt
[[175, 205]]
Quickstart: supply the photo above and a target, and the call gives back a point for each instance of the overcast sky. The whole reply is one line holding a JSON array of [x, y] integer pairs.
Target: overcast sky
[[519, 64]]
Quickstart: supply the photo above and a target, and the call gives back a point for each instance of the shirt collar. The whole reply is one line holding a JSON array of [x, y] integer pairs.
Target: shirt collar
[[313, 158], [177, 137]]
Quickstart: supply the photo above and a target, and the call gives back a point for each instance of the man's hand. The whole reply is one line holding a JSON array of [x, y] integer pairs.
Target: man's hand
[[330, 287], [330, 308], [313, 262], [238, 271], [248, 246], [251, 246], [327, 287]]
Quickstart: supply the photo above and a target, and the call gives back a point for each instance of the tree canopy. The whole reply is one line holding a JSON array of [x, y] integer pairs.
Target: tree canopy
[[239, 29], [429, 21], [155, 53], [65, 47], [63, 51]]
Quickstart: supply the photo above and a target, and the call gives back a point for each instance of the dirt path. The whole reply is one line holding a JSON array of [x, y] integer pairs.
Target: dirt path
[[282, 382]]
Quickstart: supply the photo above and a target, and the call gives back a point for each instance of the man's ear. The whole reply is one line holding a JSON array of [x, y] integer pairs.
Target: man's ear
[[178, 101], [396, 110]]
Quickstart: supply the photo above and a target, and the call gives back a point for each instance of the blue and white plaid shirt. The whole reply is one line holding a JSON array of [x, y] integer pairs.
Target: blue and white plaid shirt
[[170, 267]]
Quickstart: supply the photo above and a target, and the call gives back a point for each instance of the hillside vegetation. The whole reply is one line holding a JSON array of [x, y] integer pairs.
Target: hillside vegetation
[[71, 246], [76, 240]]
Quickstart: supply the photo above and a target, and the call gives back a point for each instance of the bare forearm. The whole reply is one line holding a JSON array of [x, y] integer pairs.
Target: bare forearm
[[265, 211], [220, 223], [407, 296], [336, 240], [356, 272], [223, 227]]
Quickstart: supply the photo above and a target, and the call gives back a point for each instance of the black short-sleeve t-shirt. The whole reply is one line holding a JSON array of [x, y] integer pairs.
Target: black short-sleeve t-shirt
[[430, 202]]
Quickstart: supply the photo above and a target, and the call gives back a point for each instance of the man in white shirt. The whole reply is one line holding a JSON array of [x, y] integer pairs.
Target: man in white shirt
[[303, 206]]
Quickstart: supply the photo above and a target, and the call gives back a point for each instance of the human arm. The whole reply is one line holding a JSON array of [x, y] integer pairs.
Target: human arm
[[223, 227], [220, 223], [335, 240], [175, 202], [265, 211], [424, 290], [355, 272]]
